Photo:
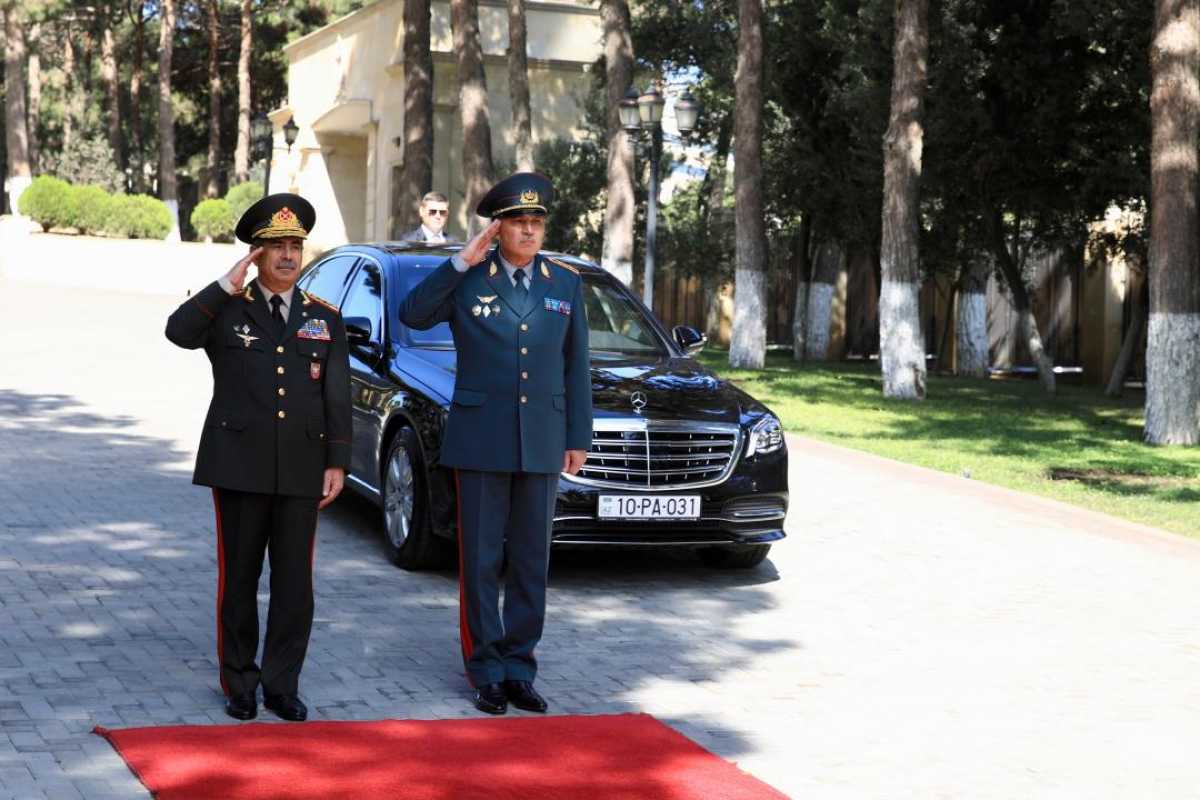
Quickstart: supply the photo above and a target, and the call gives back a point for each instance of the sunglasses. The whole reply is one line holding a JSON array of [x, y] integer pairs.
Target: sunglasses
[[437, 212]]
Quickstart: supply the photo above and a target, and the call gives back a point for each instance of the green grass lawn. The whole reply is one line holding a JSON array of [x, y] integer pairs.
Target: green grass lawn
[[1079, 447]]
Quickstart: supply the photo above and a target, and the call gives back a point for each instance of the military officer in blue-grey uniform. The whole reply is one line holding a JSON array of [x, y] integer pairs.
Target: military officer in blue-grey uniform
[[275, 447], [521, 415]]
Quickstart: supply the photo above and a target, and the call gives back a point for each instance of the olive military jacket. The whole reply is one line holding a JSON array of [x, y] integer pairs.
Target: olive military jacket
[[280, 412], [523, 393]]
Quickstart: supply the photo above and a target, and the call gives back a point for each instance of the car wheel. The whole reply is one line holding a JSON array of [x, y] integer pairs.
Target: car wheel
[[407, 533], [743, 557]]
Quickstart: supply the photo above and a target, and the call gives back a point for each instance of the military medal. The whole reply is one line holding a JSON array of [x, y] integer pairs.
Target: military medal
[[315, 329], [314, 370], [244, 335], [476, 310], [486, 307], [561, 306]]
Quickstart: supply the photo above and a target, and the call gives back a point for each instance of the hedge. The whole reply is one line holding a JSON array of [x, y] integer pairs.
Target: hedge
[[138, 216], [47, 201], [213, 219], [90, 209], [243, 196]]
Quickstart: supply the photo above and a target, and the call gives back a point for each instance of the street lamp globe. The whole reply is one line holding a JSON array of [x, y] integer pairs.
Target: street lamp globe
[[650, 107], [687, 112], [290, 130], [628, 111]]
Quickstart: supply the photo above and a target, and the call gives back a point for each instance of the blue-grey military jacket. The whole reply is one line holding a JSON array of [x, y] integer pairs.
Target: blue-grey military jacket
[[523, 394]]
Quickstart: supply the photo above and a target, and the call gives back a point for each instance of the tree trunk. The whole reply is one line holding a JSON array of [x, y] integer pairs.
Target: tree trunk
[[1173, 343], [971, 333], [417, 172], [518, 85], [34, 111], [620, 210], [16, 134], [137, 151], [166, 118], [749, 345], [715, 215], [112, 87], [1141, 307], [862, 299], [1026, 319], [241, 151], [212, 187], [801, 272], [71, 88], [819, 316], [473, 104], [901, 340]]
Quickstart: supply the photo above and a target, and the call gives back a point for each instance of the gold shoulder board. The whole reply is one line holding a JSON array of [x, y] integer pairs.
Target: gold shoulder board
[[563, 264], [312, 298]]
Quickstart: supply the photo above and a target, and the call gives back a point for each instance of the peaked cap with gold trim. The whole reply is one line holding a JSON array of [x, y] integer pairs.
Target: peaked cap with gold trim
[[277, 216], [517, 195]]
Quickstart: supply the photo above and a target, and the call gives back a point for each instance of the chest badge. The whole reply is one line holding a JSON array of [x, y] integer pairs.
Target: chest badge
[[243, 333], [487, 306], [314, 370], [315, 329], [558, 306]]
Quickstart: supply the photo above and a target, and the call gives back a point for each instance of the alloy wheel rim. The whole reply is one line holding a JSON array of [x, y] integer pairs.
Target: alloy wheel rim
[[399, 498]]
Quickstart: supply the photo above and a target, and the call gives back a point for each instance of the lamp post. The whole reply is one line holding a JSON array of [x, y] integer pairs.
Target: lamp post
[[643, 113], [262, 132]]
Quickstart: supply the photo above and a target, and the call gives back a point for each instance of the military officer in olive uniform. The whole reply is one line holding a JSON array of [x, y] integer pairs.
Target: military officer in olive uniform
[[275, 447], [520, 415]]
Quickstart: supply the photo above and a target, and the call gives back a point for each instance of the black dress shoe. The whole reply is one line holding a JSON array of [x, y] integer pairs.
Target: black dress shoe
[[490, 699], [242, 706], [525, 697], [286, 706]]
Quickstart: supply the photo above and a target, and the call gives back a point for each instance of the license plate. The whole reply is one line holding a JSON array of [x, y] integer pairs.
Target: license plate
[[640, 506]]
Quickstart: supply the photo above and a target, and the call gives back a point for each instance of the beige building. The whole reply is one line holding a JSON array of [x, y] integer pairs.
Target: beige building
[[346, 94]]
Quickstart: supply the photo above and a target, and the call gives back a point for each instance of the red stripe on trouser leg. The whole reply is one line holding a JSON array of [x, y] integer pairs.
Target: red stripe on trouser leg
[[220, 592], [464, 630]]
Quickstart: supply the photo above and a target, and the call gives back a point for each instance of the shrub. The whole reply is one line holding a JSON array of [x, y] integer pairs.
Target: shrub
[[213, 219], [47, 201], [87, 161], [90, 208], [138, 216], [243, 196]]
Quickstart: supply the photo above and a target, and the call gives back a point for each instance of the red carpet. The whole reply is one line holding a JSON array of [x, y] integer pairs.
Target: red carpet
[[581, 758]]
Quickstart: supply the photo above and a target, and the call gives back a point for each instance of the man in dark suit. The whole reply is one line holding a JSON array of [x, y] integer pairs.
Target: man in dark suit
[[520, 415], [435, 213], [275, 447]]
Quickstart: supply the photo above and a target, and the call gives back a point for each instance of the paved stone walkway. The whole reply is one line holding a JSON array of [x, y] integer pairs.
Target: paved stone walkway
[[917, 635]]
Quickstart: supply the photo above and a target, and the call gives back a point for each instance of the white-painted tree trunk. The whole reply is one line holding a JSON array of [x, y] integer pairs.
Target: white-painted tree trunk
[[800, 321], [818, 317], [748, 349], [1173, 379], [173, 207], [971, 335], [901, 341]]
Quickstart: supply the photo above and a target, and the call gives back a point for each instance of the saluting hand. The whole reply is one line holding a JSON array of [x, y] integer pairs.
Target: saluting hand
[[237, 275], [335, 478], [477, 249]]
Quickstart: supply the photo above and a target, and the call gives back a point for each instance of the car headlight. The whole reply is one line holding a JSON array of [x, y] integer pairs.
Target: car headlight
[[765, 437]]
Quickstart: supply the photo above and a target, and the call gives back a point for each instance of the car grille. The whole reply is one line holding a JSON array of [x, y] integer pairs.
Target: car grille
[[658, 455]]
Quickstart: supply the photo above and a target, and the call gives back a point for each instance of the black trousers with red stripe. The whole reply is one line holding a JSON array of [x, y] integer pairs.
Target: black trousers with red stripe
[[250, 525], [503, 513]]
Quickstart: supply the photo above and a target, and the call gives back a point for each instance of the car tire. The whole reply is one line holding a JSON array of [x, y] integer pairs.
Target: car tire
[[407, 532], [743, 557]]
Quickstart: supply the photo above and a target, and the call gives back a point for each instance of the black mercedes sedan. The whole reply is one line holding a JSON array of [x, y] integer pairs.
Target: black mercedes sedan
[[679, 457]]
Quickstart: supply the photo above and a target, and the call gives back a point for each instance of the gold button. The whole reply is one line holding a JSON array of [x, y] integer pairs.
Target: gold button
[[282, 391], [524, 399], [279, 349], [524, 352], [279, 370], [282, 414], [524, 376], [524, 327]]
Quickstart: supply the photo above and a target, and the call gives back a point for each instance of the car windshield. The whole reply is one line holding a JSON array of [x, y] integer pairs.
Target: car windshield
[[617, 327]]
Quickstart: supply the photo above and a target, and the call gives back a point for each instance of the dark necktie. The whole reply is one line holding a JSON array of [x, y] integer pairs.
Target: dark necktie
[[519, 277], [276, 314]]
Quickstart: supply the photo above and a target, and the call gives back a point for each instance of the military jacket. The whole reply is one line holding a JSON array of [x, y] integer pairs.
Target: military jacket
[[523, 394], [280, 411]]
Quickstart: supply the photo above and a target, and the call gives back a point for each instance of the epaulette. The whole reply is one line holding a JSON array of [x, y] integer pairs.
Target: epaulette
[[563, 264], [247, 295], [312, 298]]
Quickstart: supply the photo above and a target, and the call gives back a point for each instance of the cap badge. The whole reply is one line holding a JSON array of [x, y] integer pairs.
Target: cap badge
[[283, 216], [529, 197]]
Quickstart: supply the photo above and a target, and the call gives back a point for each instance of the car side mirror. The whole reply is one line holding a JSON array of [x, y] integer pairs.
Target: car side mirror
[[691, 340], [358, 331]]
